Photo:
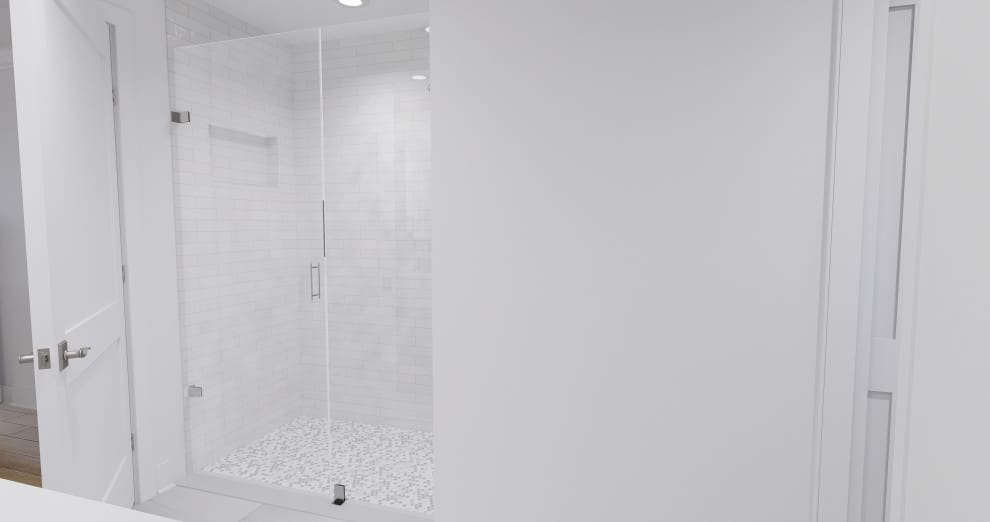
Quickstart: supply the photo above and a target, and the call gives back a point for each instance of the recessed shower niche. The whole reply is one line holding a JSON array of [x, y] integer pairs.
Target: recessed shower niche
[[245, 158], [303, 233]]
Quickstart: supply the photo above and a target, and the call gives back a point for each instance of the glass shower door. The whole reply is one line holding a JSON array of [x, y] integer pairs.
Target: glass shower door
[[303, 232], [377, 165], [249, 191]]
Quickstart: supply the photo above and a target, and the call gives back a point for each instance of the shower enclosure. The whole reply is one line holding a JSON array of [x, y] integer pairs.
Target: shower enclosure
[[302, 184]]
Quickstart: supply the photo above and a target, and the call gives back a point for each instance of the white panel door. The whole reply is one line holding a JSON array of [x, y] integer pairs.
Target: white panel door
[[62, 61]]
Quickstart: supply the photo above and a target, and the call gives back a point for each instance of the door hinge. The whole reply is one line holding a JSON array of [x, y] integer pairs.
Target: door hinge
[[132, 442], [113, 95], [123, 273]]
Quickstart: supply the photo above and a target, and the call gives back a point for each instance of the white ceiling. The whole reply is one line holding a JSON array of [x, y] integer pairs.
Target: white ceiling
[[277, 16]]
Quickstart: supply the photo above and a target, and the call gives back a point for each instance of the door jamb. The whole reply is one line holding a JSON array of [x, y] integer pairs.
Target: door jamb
[[914, 181], [148, 244], [122, 220], [908, 269], [839, 341]]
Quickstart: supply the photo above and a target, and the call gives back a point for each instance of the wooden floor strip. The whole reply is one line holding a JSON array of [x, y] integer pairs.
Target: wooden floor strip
[[27, 433], [20, 476], [22, 463], [26, 419], [15, 409], [19, 455], [20, 446]]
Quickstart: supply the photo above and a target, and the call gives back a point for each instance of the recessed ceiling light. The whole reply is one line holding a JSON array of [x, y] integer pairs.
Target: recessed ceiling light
[[418, 77], [351, 3], [427, 28]]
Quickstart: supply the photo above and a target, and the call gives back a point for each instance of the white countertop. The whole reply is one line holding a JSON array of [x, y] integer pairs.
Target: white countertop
[[19, 502]]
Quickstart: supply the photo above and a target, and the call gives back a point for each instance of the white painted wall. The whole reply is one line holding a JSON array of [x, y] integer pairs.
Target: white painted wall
[[945, 427], [628, 212], [5, 25], [16, 381]]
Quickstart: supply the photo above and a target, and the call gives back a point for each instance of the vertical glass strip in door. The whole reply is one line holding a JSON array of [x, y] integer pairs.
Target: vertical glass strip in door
[[248, 201], [377, 145]]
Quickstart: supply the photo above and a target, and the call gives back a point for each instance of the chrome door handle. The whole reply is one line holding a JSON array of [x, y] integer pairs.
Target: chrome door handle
[[44, 358], [314, 291], [65, 354], [76, 354]]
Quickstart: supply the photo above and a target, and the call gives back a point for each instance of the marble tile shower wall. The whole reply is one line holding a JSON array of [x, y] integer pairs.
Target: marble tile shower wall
[[248, 226], [378, 228]]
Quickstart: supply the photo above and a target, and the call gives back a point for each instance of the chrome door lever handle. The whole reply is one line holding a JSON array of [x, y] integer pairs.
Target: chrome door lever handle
[[44, 358], [65, 354], [76, 354]]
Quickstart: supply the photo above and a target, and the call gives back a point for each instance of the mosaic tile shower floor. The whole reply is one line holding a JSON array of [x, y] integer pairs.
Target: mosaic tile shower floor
[[380, 465]]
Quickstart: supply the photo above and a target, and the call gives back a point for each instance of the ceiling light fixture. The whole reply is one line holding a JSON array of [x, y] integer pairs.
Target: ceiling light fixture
[[427, 28], [351, 3], [418, 77]]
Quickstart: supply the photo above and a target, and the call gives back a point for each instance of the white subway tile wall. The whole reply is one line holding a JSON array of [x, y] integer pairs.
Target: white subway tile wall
[[247, 232], [243, 158], [377, 126]]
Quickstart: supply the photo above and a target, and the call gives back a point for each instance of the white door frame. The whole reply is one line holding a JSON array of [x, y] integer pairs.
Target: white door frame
[[848, 281], [841, 359], [148, 243], [914, 180], [874, 111], [911, 220]]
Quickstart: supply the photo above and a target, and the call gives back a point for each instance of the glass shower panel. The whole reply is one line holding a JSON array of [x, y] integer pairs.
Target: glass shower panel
[[249, 191], [377, 166], [303, 233]]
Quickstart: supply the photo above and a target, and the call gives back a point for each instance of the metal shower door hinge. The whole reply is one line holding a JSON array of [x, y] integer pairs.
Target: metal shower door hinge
[[195, 391], [180, 117], [315, 290]]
